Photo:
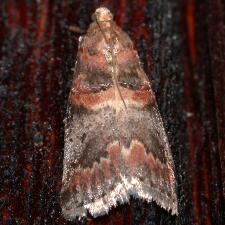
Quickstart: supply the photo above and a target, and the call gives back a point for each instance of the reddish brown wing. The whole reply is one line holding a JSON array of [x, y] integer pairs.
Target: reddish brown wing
[[111, 152]]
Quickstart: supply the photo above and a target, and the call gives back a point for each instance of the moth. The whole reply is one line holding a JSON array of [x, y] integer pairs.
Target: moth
[[115, 143]]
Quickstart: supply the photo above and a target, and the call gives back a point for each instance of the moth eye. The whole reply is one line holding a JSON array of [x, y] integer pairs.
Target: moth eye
[[91, 51]]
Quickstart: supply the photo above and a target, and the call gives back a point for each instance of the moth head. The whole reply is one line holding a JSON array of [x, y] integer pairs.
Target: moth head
[[102, 14]]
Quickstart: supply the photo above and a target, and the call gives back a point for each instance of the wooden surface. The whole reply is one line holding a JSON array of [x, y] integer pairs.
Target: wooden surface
[[182, 47]]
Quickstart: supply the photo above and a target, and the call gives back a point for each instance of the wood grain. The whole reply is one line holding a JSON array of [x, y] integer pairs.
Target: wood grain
[[181, 45]]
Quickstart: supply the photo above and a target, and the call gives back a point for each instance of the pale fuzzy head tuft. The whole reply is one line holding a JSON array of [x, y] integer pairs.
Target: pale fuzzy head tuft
[[103, 14]]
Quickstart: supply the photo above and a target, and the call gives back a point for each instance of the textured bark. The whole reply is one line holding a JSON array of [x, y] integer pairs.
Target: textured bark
[[182, 47]]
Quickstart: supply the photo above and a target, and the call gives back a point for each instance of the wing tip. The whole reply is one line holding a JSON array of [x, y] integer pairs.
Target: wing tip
[[119, 196]]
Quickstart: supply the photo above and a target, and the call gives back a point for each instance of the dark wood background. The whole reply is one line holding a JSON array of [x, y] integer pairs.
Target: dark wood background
[[182, 47]]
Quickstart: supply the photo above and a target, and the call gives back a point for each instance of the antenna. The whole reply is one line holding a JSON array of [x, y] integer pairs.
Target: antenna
[[104, 15]]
